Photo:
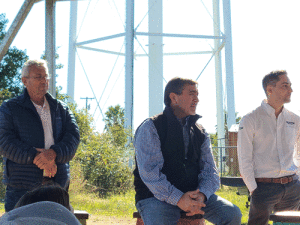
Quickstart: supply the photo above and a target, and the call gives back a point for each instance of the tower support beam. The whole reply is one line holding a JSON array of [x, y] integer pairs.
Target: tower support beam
[[72, 50], [50, 43], [155, 57], [15, 27], [129, 51], [229, 64]]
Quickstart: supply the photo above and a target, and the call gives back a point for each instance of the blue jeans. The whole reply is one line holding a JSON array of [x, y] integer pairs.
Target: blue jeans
[[270, 197], [217, 211], [12, 196]]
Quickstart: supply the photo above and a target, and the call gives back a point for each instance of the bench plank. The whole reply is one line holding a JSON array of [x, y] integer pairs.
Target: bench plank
[[184, 219], [82, 216], [286, 216]]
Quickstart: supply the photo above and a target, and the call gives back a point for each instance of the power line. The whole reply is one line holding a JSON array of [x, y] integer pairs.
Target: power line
[[87, 107]]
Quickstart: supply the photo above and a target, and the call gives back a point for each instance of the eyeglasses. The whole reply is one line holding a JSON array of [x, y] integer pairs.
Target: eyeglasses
[[40, 78]]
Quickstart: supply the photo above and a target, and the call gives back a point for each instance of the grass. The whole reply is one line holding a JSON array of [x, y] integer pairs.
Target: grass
[[2, 210], [229, 193], [116, 205], [123, 205]]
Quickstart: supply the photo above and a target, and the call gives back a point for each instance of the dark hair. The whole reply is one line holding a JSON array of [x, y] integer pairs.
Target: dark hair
[[176, 86], [51, 192], [272, 78]]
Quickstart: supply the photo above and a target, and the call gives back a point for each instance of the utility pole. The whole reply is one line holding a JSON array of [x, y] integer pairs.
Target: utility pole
[[86, 102]]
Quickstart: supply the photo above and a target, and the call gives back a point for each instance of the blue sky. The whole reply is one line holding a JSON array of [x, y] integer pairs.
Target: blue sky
[[264, 33]]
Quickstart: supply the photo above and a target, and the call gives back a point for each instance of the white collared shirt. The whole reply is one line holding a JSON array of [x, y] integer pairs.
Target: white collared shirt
[[267, 146], [45, 115]]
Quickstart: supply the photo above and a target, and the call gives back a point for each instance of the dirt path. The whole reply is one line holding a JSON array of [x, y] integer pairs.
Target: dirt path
[[107, 220]]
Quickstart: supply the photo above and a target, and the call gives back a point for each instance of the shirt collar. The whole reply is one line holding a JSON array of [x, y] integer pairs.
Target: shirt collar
[[269, 109], [184, 120], [44, 106], [191, 119]]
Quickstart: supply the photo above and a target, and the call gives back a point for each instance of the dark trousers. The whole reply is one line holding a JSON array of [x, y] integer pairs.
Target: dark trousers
[[270, 197], [12, 196]]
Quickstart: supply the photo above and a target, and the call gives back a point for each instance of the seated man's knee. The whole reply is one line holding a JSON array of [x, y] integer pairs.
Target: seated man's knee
[[235, 215]]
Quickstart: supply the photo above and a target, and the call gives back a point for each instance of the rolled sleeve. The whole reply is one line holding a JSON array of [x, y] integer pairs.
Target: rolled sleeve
[[245, 153], [209, 180], [150, 162]]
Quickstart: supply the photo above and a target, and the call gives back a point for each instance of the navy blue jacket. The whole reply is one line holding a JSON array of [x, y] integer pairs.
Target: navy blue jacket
[[21, 132]]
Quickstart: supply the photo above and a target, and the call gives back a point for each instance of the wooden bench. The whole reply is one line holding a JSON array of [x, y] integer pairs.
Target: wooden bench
[[286, 217], [184, 220], [82, 216]]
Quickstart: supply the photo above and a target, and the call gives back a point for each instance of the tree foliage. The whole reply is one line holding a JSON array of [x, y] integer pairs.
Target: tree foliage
[[115, 125], [105, 157], [11, 64]]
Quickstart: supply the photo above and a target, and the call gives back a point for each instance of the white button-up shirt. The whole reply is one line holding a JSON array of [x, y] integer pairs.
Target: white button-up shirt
[[267, 147], [45, 116]]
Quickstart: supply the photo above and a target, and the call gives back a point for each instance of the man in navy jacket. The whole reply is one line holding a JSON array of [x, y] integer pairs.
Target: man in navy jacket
[[38, 136]]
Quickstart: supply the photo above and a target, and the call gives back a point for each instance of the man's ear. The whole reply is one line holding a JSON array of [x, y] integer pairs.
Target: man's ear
[[269, 90], [173, 98], [24, 81]]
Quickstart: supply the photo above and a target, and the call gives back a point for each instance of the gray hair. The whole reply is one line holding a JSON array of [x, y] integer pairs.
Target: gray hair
[[272, 78], [30, 63]]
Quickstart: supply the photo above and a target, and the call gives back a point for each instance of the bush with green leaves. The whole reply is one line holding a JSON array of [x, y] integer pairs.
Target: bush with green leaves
[[105, 165], [105, 157]]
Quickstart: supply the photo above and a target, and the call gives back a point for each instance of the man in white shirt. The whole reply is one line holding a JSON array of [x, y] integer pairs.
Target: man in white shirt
[[267, 151]]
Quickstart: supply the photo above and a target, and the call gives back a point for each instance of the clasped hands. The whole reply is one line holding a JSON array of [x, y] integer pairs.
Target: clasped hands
[[45, 160], [192, 202]]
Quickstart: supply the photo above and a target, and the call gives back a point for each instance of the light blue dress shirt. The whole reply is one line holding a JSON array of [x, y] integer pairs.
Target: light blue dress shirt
[[150, 162]]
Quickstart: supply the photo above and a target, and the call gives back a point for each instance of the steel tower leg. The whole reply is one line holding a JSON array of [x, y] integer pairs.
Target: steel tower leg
[[229, 64], [155, 57], [129, 50], [15, 27], [72, 50], [50, 43], [219, 80]]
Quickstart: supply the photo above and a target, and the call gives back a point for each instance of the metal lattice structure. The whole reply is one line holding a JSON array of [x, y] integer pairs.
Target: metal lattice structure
[[155, 53]]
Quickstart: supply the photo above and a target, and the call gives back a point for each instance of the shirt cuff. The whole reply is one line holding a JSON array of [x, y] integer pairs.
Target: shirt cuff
[[207, 193], [252, 187], [174, 197]]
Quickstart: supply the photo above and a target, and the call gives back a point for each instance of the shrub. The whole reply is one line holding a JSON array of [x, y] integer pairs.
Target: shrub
[[106, 165]]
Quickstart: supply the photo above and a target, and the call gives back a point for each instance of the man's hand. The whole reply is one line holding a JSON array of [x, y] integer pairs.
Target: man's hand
[[191, 203], [50, 171], [45, 158], [199, 197]]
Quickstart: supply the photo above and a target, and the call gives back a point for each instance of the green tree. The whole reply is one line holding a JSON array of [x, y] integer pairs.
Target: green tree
[[10, 65], [115, 125], [4, 94], [105, 157], [114, 116]]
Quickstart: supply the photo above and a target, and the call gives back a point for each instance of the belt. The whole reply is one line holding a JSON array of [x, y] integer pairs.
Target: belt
[[281, 180]]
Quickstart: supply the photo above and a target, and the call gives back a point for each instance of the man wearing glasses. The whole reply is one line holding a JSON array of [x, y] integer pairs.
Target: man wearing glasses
[[38, 136]]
